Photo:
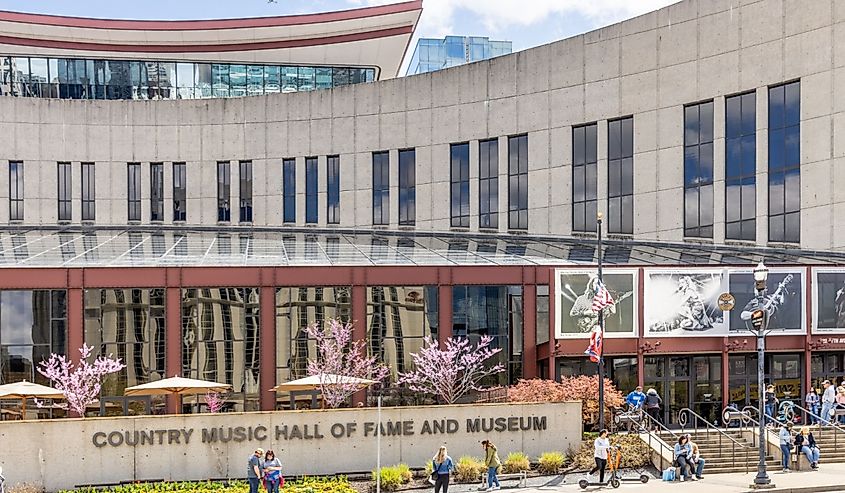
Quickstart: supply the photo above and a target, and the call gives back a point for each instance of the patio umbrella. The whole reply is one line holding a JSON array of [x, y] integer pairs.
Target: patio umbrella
[[316, 381], [176, 386], [25, 390]]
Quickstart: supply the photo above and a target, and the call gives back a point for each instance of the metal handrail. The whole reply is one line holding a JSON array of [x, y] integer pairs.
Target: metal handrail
[[831, 425], [755, 422], [696, 418], [656, 437], [660, 425]]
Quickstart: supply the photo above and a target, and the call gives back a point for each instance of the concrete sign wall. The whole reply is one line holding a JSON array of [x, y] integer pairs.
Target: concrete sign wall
[[65, 453]]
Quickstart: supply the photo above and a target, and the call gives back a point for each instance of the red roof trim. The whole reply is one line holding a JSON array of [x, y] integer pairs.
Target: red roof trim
[[204, 48], [211, 24]]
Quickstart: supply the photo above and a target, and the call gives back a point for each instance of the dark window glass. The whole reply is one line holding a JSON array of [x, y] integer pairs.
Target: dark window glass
[[224, 212], [459, 179], [518, 182], [488, 183], [64, 178], [620, 176], [156, 191], [133, 195], [785, 163], [381, 188], [180, 188], [220, 334], [333, 190], [698, 170], [407, 187], [245, 186], [311, 214], [16, 190], [584, 178], [740, 167], [289, 190], [89, 209]]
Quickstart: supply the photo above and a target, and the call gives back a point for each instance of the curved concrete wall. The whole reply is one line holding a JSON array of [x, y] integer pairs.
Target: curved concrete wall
[[648, 67]]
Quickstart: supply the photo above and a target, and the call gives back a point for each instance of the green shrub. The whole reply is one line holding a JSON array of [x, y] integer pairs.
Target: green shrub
[[516, 462], [392, 477], [337, 484], [551, 462], [429, 468], [468, 469]]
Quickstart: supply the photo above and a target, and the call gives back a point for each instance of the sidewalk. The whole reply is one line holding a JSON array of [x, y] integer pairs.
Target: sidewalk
[[830, 477]]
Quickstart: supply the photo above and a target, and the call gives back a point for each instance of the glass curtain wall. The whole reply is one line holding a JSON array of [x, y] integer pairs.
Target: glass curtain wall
[[220, 341], [128, 324], [124, 79]]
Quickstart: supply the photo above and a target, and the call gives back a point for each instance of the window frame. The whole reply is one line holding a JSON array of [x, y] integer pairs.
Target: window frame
[[157, 192], [245, 184], [787, 173], [180, 191], [89, 190], [289, 190], [381, 187], [333, 189], [741, 179], [16, 191], [224, 191], [488, 183], [407, 187], [702, 186], [518, 182], [312, 214], [617, 225], [459, 193], [64, 177], [582, 165], [133, 192]]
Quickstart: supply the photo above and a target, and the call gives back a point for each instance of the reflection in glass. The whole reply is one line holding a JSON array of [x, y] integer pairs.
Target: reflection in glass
[[381, 188], [488, 183], [518, 182], [289, 190], [407, 187], [698, 170], [740, 167], [311, 189], [32, 325], [459, 177], [296, 309], [133, 191], [220, 337], [785, 163], [584, 182], [620, 172], [333, 189], [398, 318]]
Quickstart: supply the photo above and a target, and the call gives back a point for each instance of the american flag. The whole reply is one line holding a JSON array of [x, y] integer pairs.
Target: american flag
[[594, 350], [602, 299]]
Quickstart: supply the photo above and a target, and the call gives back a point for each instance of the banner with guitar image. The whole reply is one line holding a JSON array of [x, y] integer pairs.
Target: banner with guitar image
[[574, 293]]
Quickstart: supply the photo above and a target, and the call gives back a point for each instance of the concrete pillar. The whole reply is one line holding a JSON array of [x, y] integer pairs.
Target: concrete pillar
[[359, 328], [173, 342], [267, 349], [529, 331], [444, 316]]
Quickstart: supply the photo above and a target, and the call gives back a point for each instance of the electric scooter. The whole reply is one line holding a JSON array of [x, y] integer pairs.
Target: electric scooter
[[614, 455]]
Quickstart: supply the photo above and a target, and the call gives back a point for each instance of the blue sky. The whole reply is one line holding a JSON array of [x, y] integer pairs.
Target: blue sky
[[525, 22]]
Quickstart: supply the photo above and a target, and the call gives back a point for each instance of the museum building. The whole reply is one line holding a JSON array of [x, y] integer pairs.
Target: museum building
[[190, 195]]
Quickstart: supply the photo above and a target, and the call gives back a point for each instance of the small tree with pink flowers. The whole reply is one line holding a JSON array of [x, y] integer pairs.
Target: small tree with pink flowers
[[340, 360], [81, 382], [452, 372], [214, 401]]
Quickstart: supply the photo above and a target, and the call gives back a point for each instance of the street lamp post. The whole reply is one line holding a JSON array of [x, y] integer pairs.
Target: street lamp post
[[599, 218], [759, 322]]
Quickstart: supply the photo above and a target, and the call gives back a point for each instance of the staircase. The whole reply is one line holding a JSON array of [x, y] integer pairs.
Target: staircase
[[722, 455]]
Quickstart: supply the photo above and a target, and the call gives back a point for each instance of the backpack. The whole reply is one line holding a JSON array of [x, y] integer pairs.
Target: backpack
[[669, 474]]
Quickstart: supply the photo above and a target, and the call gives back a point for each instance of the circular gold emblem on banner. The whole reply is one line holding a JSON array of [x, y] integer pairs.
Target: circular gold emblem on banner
[[726, 302]]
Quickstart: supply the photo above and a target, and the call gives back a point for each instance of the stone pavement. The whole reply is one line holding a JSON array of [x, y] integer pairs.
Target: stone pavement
[[829, 477]]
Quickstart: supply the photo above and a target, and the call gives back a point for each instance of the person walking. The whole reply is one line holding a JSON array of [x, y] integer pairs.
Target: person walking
[[652, 406], [636, 398], [272, 472], [840, 403], [253, 470], [492, 462], [771, 404], [812, 402], [600, 447], [785, 436], [442, 464], [828, 401], [806, 444], [683, 457]]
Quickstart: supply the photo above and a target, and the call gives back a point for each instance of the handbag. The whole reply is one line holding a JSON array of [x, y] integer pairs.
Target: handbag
[[432, 478], [669, 474]]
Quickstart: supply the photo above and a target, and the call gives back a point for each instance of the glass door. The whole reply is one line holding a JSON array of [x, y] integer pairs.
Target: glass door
[[707, 393]]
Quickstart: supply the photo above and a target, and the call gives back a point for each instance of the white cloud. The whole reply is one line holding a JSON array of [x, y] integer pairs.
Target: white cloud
[[439, 15]]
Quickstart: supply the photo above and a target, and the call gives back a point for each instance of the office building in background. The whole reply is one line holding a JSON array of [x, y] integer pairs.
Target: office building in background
[[435, 54]]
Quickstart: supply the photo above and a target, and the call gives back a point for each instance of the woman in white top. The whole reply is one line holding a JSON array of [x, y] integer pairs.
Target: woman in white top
[[602, 445]]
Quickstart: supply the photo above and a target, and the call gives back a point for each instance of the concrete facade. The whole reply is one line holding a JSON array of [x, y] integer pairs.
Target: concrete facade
[[648, 67], [94, 451]]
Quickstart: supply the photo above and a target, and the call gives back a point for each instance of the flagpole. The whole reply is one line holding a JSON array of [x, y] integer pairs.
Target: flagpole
[[599, 217]]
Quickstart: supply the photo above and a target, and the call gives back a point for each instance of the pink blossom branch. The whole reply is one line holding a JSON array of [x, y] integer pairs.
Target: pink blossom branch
[[453, 372], [215, 402], [80, 382]]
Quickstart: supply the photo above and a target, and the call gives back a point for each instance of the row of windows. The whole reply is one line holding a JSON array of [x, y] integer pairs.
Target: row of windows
[[123, 79]]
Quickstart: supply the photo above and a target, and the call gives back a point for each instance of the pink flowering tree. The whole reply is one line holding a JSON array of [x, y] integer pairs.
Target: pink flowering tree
[[214, 401], [340, 361], [452, 372], [81, 382]]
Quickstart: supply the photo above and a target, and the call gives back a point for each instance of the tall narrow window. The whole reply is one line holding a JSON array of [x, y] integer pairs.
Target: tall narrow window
[[64, 177], [180, 192], [224, 211], [381, 188], [518, 182], [245, 187], [740, 167], [133, 191], [620, 176], [333, 190], [459, 178], [785, 163], [488, 183], [156, 192], [289, 190], [698, 170], [584, 178], [16, 190], [407, 187], [89, 209], [311, 213]]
